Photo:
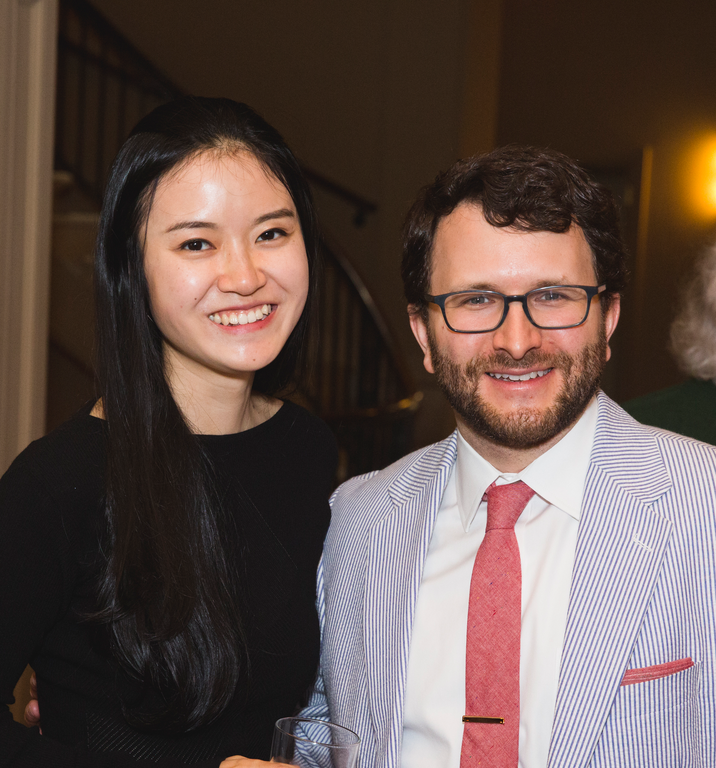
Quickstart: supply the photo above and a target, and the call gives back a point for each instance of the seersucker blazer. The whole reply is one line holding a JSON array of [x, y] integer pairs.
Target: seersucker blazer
[[636, 683]]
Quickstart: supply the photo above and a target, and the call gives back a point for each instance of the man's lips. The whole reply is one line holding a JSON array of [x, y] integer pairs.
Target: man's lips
[[500, 376]]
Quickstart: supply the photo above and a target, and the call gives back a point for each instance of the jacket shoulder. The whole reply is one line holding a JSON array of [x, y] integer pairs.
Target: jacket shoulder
[[407, 476], [649, 461], [619, 423]]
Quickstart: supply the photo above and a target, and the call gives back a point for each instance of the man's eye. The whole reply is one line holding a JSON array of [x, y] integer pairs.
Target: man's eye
[[270, 235], [475, 300], [552, 296], [195, 245]]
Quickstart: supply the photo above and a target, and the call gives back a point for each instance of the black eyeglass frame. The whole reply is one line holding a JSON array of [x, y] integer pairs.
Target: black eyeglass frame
[[590, 290]]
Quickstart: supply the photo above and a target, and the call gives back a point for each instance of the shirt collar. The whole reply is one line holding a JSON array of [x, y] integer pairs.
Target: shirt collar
[[558, 475]]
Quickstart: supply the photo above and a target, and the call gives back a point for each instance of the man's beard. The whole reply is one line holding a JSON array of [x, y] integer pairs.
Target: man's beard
[[528, 427]]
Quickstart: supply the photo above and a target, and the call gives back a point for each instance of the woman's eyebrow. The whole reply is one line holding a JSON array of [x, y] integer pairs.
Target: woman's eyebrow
[[192, 225], [281, 213]]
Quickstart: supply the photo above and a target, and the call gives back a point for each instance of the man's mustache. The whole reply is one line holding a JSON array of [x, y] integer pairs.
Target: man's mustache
[[533, 358]]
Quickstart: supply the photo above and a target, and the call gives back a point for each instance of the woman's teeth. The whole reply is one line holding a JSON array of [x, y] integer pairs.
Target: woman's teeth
[[241, 318], [524, 377]]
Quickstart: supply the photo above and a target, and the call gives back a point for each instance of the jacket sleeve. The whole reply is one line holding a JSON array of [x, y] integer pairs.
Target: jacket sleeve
[[317, 707]]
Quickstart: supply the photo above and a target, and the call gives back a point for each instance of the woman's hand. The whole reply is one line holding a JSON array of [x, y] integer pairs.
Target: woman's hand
[[32, 710], [244, 762]]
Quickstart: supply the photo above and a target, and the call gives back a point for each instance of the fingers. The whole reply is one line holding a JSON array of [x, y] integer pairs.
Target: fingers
[[32, 710], [32, 713]]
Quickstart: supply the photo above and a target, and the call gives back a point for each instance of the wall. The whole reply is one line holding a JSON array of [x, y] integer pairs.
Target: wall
[[27, 67], [600, 81], [380, 95], [27, 74]]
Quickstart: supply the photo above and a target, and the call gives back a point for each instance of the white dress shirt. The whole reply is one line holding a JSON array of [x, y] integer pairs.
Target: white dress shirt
[[546, 536]]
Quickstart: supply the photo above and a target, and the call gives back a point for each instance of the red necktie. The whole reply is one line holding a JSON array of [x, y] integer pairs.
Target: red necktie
[[492, 668]]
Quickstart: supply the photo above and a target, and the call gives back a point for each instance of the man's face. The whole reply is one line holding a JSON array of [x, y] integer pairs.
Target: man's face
[[477, 372]]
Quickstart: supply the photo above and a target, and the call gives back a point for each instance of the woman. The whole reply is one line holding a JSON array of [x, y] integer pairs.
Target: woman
[[159, 549]]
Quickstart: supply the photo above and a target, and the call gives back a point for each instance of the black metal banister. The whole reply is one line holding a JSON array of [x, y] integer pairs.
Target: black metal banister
[[360, 203], [114, 58], [89, 17]]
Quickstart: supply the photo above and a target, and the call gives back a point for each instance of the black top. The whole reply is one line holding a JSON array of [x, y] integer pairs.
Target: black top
[[50, 522]]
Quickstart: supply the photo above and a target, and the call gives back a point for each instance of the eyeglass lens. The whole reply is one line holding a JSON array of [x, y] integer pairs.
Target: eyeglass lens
[[553, 307]]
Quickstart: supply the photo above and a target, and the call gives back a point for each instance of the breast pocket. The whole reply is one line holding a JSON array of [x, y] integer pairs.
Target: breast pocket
[[654, 723]]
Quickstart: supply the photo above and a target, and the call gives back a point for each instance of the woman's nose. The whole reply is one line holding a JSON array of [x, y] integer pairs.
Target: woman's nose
[[240, 273], [517, 335]]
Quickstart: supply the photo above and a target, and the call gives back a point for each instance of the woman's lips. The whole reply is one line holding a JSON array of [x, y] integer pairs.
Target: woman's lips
[[241, 316]]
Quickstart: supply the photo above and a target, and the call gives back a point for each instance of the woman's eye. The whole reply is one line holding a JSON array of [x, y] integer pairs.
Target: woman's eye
[[270, 235], [195, 245]]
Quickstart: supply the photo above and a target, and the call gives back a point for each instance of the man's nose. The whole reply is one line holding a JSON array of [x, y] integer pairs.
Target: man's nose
[[517, 335], [240, 273]]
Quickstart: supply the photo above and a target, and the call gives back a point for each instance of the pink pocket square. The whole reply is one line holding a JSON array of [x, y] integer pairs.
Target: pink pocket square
[[644, 674]]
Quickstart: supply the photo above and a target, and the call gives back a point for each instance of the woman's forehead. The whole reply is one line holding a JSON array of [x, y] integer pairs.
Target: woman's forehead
[[214, 161], [211, 179]]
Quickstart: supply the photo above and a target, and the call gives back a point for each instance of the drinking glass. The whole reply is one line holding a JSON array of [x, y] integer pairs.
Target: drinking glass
[[312, 743]]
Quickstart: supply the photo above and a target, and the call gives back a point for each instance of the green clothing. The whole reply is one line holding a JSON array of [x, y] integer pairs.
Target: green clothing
[[687, 409]]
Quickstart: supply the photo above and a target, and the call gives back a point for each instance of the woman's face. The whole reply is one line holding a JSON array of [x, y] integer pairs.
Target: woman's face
[[225, 264]]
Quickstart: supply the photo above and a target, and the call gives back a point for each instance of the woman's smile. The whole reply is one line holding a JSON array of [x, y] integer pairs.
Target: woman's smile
[[241, 316]]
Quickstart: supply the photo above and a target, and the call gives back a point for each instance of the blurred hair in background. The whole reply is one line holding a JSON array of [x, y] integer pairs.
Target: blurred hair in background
[[689, 408]]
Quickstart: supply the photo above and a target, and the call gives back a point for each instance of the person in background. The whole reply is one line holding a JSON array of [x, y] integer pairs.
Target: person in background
[[539, 589], [689, 408], [158, 551]]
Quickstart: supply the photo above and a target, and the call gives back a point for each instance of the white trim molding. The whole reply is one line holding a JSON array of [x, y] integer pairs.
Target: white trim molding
[[28, 53]]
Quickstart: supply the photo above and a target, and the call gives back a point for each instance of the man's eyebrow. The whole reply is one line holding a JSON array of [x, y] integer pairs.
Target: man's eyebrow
[[192, 225], [281, 213], [539, 284]]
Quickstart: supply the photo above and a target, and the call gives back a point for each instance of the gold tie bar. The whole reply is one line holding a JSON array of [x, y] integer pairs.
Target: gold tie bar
[[488, 720]]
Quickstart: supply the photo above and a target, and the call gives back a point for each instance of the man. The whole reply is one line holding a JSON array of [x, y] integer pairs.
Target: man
[[583, 633]]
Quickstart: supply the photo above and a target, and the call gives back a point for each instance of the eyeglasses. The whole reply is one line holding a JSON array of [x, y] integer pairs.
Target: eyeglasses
[[551, 308]]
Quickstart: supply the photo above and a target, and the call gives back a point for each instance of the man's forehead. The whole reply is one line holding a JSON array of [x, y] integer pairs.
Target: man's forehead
[[466, 241], [470, 211]]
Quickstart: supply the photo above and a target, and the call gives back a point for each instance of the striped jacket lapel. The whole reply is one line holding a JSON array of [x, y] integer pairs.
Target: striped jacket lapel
[[620, 550], [398, 546]]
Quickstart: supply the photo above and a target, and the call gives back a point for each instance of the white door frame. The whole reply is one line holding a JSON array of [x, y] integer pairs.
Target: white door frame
[[28, 54]]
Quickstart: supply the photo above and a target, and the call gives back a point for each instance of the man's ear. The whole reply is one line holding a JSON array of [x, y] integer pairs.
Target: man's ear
[[611, 318], [420, 331]]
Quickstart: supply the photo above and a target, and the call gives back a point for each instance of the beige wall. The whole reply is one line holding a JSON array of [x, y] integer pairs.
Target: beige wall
[[601, 81], [27, 67], [27, 75]]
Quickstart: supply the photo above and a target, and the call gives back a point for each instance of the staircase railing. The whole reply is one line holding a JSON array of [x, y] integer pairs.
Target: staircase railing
[[105, 85]]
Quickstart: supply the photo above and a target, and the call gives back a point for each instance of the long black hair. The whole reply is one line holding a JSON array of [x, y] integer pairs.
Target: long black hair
[[168, 594]]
